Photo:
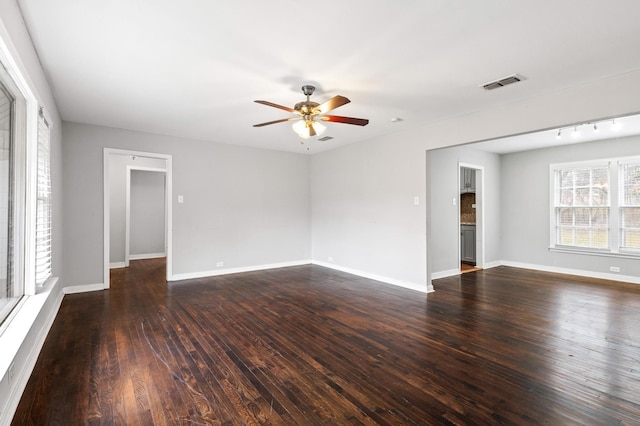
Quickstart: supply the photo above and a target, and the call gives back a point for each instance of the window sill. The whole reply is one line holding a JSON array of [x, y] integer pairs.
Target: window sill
[[20, 323], [569, 250]]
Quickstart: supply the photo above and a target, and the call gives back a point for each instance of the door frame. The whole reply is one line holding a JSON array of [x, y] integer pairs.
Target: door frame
[[480, 225], [107, 154]]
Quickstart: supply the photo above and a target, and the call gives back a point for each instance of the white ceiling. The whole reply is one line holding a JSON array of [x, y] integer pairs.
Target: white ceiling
[[192, 68], [579, 133]]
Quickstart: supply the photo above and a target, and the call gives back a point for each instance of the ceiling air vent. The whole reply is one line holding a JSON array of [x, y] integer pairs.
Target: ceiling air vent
[[502, 82], [325, 138]]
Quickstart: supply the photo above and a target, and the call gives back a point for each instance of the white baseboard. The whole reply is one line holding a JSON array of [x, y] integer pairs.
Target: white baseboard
[[445, 274], [115, 265], [36, 317], [405, 284], [216, 272], [490, 265], [578, 272], [82, 288], [147, 256]]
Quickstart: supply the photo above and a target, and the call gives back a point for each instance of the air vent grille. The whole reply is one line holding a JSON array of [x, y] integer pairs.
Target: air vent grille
[[502, 82], [325, 138]]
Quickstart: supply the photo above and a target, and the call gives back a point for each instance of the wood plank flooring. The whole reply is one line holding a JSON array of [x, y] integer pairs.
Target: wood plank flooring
[[308, 346]]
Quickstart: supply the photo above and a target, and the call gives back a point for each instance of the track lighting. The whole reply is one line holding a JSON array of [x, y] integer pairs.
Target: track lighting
[[615, 126], [575, 132]]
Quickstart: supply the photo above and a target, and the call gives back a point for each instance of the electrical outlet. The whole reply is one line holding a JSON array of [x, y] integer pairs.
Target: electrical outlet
[[219, 264], [614, 269]]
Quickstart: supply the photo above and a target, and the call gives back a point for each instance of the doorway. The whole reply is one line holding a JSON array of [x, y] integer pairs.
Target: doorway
[[145, 168], [471, 217], [145, 213]]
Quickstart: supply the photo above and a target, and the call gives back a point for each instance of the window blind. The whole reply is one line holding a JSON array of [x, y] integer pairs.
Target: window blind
[[582, 206], [630, 206], [43, 203]]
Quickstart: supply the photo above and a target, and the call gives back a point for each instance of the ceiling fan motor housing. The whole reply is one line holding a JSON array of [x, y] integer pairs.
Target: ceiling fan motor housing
[[308, 89]]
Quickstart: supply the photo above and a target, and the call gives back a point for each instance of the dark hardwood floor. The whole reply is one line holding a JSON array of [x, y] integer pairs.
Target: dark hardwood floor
[[308, 345]]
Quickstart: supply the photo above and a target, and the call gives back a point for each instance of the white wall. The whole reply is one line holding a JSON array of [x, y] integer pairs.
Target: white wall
[[363, 213], [526, 204], [242, 206], [444, 188], [147, 214], [23, 338], [362, 193]]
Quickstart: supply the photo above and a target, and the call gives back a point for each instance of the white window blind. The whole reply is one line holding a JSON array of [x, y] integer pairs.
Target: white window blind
[[582, 206], [630, 206], [44, 206]]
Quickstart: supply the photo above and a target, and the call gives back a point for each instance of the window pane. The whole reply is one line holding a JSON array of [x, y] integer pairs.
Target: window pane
[[582, 207], [566, 197], [631, 176], [9, 293], [583, 177], [630, 227], [583, 197]]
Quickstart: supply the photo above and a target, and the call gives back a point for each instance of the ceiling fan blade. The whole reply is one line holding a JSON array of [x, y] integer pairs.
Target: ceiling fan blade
[[346, 120], [276, 121], [267, 103], [333, 103]]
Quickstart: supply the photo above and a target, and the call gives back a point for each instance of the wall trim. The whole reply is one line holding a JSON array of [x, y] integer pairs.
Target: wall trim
[[83, 288], [116, 265], [41, 305], [405, 284], [147, 256], [490, 265], [578, 272], [213, 273], [545, 268], [445, 274]]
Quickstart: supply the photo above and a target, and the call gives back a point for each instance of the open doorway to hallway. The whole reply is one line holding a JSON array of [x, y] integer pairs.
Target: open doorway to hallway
[[471, 225], [137, 208]]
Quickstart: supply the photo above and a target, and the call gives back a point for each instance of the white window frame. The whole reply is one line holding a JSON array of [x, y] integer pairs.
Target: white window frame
[[615, 187], [25, 162], [620, 200]]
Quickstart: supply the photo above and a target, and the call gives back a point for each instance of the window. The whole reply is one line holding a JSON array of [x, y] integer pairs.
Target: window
[[596, 206], [43, 204], [630, 206], [16, 101], [10, 290]]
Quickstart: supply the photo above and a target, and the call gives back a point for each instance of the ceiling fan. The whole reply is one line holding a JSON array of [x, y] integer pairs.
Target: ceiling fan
[[308, 112]]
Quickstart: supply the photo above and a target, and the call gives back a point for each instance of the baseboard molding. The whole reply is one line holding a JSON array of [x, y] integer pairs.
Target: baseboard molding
[[578, 272], [82, 288], [147, 256], [490, 265], [115, 265], [445, 274], [40, 327], [386, 280], [216, 272]]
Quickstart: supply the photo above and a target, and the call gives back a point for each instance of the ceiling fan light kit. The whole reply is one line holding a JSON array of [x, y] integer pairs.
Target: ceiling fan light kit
[[308, 112]]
